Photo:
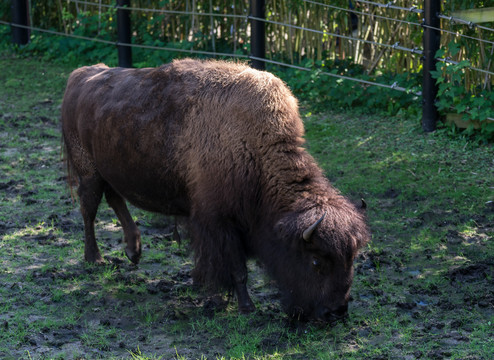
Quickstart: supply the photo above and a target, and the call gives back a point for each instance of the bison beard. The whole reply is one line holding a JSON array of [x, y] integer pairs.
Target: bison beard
[[220, 144]]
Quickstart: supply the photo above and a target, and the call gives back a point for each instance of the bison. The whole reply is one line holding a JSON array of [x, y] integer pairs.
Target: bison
[[220, 144]]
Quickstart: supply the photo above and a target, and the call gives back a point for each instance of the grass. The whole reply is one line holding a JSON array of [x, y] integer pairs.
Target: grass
[[423, 287]]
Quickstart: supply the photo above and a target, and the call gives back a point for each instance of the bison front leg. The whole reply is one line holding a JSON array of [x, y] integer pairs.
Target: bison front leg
[[132, 234], [245, 304], [220, 257]]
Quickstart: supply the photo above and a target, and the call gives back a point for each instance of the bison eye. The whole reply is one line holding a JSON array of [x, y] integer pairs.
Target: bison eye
[[316, 263]]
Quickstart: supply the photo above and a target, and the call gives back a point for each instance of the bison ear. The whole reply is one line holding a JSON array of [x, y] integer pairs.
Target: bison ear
[[285, 226], [310, 230], [287, 229]]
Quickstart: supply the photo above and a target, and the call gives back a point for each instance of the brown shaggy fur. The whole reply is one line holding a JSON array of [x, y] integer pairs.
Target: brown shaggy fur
[[219, 143]]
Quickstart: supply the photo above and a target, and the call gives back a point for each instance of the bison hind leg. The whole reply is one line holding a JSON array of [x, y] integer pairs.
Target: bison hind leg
[[132, 234], [90, 192]]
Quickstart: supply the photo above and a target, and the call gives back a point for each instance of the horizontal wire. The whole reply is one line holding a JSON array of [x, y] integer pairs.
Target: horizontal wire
[[362, 13], [189, 51], [53, 32], [464, 22], [175, 12], [117, 43], [391, 6], [91, 3], [394, 86], [449, 61], [457, 34], [394, 46]]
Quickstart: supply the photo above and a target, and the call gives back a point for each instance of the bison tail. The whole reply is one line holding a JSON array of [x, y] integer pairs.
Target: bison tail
[[69, 168]]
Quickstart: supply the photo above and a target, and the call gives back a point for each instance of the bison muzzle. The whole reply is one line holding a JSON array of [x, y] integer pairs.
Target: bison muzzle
[[220, 144]]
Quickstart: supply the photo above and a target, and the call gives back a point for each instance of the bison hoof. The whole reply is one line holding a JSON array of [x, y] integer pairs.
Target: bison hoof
[[246, 308], [133, 255], [94, 259]]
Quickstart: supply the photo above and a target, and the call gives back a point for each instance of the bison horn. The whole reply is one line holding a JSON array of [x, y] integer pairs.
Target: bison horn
[[308, 232], [364, 204]]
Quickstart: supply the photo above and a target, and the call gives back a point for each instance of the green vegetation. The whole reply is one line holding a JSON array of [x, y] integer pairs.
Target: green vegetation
[[423, 287], [475, 104]]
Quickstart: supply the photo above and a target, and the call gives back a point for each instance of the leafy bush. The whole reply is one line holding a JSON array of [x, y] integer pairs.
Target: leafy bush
[[321, 90], [474, 103]]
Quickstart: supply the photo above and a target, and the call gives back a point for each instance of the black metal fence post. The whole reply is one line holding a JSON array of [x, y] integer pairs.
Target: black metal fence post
[[431, 41], [20, 16], [257, 40], [124, 34]]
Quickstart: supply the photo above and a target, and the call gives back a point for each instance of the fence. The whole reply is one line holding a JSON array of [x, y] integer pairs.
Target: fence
[[367, 32]]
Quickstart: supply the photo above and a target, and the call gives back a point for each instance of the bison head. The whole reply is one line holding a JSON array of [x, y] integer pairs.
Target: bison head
[[314, 267]]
